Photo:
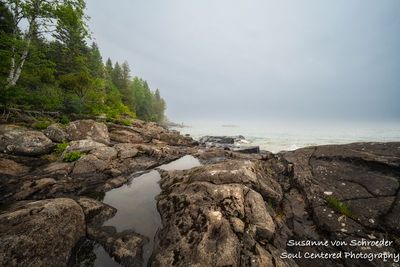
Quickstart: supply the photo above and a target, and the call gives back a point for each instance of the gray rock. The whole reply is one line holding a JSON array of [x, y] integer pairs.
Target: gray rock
[[40, 233], [21, 141], [84, 146], [125, 247], [88, 129], [56, 132], [126, 136], [96, 212]]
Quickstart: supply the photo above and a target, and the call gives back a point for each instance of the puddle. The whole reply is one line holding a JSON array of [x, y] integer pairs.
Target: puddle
[[136, 208]]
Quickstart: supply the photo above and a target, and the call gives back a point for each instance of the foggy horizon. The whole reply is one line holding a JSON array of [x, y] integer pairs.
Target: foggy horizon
[[234, 60]]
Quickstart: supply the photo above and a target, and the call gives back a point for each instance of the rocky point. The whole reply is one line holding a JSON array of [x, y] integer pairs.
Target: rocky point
[[237, 209]]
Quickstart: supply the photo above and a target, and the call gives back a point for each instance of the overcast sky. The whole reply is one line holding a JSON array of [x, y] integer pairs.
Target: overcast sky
[[224, 59]]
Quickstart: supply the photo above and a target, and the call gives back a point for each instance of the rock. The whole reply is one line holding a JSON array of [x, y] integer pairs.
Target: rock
[[96, 212], [97, 161], [257, 215], [214, 215], [83, 146], [40, 233], [125, 136], [125, 247], [12, 168], [21, 141], [212, 140], [363, 178], [31, 187], [247, 149], [126, 150], [88, 129], [56, 132]]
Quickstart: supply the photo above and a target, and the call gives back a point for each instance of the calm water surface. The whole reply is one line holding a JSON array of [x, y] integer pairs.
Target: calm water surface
[[137, 208]]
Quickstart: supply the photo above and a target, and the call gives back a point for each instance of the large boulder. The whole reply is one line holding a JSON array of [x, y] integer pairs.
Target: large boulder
[[217, 215], [88, 129], [40, 233], [21, 141], [56, 132]]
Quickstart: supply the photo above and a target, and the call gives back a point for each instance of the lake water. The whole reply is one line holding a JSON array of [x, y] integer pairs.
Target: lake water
[[277, 136], [137, 208]]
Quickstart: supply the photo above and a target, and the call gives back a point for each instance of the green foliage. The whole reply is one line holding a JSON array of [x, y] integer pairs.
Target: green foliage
[[338, 206], [125, 122], [42, 124], [59, 149], [73, 156], [64, 120], [65, 73]]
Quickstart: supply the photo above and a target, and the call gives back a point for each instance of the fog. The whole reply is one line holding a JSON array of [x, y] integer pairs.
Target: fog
[[230, 59]]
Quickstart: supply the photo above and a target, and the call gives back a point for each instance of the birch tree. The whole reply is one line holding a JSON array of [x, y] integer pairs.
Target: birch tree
[[31, 17]]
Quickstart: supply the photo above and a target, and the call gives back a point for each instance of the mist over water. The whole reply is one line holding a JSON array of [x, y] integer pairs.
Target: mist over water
[[279, 135]]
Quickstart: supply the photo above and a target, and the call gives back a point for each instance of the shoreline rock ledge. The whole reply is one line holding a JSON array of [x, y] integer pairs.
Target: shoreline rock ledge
[[235, 210]]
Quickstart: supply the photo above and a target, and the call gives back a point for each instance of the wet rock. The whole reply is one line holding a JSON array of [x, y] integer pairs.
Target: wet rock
[[247, 149], [40, 233], [96, 212], [12, 168], [220, 139], [125, 247], [21, 141], [88, 129], [56, 132]]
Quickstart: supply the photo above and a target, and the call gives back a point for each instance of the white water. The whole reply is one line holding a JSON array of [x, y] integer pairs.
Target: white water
[[289, 135]]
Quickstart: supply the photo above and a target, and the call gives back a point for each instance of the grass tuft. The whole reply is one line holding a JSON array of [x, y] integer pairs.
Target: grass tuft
[[73, 156], [338, 206], [59, 149]]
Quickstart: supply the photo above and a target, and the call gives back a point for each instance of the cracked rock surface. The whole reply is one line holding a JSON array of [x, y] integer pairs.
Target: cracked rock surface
[[242, 211]]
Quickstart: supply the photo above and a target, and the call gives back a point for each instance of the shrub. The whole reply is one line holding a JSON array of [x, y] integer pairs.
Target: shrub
[[59, 149], [338, 206], [125, 122], [64, 120], [73, 156], [41, 124]]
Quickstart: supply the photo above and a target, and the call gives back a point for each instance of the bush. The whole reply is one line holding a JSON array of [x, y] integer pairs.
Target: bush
[[41, 124], [125, 122], [59, 149], [64, 120], [73, 156], [338, 206]]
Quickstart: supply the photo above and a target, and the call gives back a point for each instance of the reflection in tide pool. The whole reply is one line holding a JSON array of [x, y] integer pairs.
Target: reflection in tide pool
[[137, 208]]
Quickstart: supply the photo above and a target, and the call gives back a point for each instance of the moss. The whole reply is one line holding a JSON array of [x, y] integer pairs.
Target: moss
[[59, 149], [72, 156], [338, 206]]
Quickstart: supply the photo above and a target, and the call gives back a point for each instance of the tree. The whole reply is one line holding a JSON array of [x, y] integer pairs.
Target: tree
[[95, 63], [39, 17]]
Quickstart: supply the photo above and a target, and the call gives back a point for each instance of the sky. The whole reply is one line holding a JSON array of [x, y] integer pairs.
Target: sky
[[258, 59]]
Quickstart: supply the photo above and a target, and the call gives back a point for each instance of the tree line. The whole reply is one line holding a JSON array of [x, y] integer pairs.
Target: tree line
[[47, 63]]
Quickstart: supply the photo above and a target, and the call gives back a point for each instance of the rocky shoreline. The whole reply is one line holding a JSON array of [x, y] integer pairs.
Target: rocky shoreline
[[236, 209]]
